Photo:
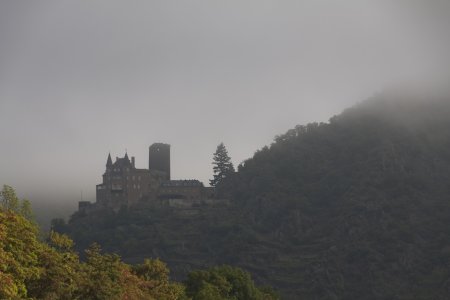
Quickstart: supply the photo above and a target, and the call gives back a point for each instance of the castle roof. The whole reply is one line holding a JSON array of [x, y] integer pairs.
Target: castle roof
[[122, 162]]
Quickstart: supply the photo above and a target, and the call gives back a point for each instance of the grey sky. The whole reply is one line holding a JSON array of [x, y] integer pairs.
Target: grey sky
[[81, 78]]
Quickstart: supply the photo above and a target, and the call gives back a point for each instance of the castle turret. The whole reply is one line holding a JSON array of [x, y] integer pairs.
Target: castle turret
[[159, 158], [109, 161]]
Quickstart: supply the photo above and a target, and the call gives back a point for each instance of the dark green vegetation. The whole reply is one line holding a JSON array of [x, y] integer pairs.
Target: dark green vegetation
[[32, 269], [222, 165], [357, 208]]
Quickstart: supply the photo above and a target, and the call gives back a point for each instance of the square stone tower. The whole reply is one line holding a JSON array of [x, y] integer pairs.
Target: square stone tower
[[159, 158]]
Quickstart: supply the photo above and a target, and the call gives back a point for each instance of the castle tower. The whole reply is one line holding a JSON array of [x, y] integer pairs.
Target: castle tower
[[159, 158], [109, 161]]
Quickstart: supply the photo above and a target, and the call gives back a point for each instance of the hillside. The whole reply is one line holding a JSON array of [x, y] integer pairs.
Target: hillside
[[356, 208], [33, 269]]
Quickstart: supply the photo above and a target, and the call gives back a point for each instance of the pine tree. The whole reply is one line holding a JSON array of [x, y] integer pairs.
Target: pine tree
[[222, 165]]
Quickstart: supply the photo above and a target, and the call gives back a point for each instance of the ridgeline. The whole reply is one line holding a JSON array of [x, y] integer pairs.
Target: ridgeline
[[355, 208]]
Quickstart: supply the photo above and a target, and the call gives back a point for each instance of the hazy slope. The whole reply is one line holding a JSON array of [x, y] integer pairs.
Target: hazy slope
[[357, 208], [362, 203]]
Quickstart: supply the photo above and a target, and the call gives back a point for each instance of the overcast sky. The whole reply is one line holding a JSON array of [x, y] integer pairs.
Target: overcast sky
[[81, 78]]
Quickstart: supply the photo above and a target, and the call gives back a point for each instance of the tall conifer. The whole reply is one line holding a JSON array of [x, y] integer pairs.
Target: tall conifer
[[222, 165]]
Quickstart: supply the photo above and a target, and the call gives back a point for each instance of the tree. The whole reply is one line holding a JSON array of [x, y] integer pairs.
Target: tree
[[155, 274], [60, 270], [224, 282], [222, 165], [33, 269], [58, 225], [9, 199], [19, 249]]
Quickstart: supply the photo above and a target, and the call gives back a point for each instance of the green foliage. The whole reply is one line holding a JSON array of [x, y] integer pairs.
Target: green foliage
[[19, 254], [356, 208], [60, 242], [152, 270], [223, 166], [224, 282], [60, 272], [156, 275], [9, 199], [31, 269], [10, 202], [25, 210], [101, 275]]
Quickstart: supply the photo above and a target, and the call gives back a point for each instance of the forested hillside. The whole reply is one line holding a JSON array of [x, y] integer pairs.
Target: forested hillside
[[33, 269], [360, 206], [356, 208]]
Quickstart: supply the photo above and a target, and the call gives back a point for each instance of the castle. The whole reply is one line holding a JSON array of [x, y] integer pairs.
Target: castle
[[124, 185]]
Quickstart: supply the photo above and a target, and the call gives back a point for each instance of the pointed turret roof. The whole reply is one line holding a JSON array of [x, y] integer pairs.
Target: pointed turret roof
[[126, 156], [109, 161]]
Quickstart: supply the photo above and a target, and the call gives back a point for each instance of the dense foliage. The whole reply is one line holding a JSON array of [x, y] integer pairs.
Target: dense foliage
[[356, 208], [359, 207], [224, 282], [32, 269]]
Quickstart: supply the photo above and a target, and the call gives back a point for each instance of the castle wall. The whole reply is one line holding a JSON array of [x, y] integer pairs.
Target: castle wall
[[180, 192]]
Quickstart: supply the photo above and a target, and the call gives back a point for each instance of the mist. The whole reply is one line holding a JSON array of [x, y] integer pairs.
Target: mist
[[81, 79]]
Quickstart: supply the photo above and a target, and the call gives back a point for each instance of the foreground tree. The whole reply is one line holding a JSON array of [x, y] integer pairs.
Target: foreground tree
[[222, 165], [225, 282], [32, 269], [19, 254], [10, 202]]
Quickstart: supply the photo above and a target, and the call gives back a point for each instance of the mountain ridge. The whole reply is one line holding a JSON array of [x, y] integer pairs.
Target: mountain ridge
[[356, 208]]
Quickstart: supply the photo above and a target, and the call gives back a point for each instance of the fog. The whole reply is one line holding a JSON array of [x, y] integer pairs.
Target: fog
[[80, 79]]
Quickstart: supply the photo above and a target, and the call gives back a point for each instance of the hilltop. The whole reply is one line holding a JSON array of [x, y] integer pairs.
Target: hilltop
[[355, 208]]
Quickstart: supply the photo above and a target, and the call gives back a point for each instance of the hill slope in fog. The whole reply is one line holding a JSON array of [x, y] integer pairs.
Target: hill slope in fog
[[356, 208]]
